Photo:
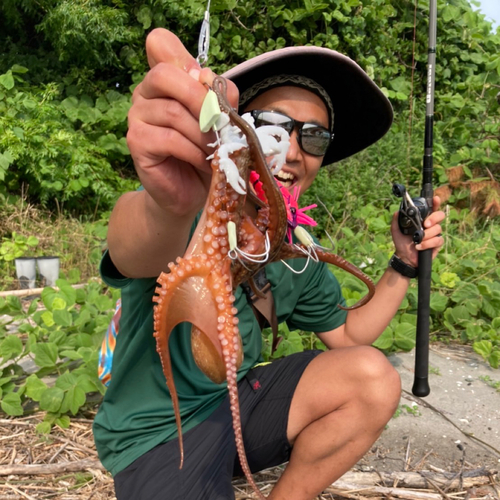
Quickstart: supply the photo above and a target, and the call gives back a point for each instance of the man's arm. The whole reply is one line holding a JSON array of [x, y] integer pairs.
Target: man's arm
[[150, 228], [364, 325]]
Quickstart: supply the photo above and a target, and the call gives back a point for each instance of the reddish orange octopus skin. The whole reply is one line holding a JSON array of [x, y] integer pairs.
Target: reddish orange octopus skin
[[206, 276]]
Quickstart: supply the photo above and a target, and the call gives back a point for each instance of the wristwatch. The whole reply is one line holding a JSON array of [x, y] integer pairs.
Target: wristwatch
[[402, 268]]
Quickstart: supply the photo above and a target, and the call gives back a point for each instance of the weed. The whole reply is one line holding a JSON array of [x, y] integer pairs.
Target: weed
[[410, 410], [489, 381]]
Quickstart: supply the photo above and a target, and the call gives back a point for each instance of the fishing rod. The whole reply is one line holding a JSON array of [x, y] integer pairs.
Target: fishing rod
[[413, 212]]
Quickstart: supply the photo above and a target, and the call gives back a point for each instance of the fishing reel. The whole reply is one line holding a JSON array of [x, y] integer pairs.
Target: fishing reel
[[412, 213]]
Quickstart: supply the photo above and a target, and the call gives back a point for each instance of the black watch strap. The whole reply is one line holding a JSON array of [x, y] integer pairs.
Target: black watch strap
[[402, 268]]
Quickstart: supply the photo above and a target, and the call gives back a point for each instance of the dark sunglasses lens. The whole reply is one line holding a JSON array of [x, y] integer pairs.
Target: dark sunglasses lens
[[270, 118], [315, 140]]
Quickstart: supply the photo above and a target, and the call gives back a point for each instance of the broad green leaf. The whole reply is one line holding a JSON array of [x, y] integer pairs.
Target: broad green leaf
[[410, 319], [63, 422], [489, 309], [494, 358], [473, 306], [86, 384], [347, 232], [62, 317], [83, 317], [465, 292], [48, 319], [460, 313], [66, 381], [483, 347], [48, 295], [473, 331], [52, 399], [71, 355], [88, 353], [404, 336], [73, 400], [11, 347], [5, 160], [33, 307], [43, 428], [84, 340], [386, 340], [35, 387], [67, 292], [58, 304], [58, 337], [11, 404], [290, 344], [7, 80], [45, 354], [438, 301], [104, 303], [17, 68]]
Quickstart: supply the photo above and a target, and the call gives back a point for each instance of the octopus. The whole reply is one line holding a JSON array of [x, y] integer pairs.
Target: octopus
[[229, 246]]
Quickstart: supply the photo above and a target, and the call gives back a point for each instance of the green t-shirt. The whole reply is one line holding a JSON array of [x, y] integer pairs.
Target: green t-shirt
[[136, 414]]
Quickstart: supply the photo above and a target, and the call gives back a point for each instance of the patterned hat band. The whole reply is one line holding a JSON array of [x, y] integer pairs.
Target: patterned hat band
[[294, 80]]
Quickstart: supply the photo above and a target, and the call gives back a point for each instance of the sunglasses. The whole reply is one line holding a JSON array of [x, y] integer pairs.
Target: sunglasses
[[312, 138]]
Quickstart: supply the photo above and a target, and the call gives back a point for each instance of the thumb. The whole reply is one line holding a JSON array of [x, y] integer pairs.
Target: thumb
[[162, 46]]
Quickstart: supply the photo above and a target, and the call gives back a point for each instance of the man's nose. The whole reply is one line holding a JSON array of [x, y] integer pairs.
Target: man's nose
[[294, 149]]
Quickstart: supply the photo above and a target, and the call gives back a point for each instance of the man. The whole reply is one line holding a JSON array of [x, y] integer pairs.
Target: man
[[320, 410]]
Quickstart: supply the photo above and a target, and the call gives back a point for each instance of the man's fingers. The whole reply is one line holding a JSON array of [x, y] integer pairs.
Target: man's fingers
[[169, 113], [434, 218], [436, 203], [163, 143], [163, 46], [167, 81]]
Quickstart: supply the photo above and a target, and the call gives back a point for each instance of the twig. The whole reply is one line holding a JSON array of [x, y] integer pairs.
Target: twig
[[33, 291], [32, 469], [25, 495], [407, 457]]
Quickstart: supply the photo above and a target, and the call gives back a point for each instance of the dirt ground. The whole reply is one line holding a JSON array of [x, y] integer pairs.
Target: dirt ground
[[444, 446], [458, 422]]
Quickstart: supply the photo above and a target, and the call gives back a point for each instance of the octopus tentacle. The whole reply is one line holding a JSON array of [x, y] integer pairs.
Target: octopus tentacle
[[299, 251]]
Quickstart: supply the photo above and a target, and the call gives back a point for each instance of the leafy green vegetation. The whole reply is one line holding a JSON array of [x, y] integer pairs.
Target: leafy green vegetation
[[51, 363]]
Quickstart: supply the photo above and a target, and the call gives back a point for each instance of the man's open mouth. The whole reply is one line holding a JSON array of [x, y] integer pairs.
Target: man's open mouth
[[285, 178]]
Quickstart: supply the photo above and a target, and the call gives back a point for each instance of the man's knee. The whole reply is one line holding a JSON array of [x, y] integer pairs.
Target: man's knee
[[380, 381]]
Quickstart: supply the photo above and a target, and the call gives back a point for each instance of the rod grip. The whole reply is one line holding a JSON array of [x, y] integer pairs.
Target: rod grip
[[421, 383]]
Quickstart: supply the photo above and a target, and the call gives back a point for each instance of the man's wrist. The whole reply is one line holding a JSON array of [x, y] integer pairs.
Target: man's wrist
[[402, 267]]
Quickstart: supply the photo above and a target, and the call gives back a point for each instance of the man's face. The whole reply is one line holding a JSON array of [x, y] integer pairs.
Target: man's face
[[300, 104]]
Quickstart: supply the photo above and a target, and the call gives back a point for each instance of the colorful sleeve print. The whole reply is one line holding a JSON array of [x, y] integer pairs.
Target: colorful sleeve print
[[108, 346]]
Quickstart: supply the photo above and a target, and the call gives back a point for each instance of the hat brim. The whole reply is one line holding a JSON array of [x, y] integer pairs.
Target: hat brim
[[362, 112]]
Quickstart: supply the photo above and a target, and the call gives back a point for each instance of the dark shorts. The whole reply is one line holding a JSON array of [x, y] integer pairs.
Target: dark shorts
[[210, 458]]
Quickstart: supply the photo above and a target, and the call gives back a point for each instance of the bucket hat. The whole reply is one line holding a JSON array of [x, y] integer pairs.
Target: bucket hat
[[362, 113]]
